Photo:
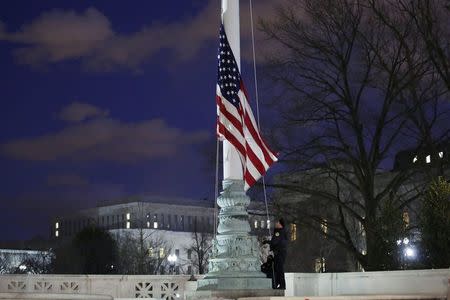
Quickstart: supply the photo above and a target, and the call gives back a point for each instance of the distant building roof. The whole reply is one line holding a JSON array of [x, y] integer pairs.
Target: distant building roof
[[158, 199]]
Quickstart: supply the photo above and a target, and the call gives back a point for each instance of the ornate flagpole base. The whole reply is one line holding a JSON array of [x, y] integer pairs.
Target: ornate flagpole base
[[234, 262]]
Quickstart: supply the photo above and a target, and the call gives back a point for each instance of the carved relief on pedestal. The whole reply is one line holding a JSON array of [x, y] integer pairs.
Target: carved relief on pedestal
[[234, 265], [232, 224], [233, 195], [235, 246]]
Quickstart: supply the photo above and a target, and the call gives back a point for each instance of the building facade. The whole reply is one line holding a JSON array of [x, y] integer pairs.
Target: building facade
[[168, 227]]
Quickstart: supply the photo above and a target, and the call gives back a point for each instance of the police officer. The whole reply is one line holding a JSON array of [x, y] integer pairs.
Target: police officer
[[278, 245]]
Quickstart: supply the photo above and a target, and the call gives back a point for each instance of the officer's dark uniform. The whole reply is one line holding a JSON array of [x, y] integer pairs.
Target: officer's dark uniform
[[278, 245]]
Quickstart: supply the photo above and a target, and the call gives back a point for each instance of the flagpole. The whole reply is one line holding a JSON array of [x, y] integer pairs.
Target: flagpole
[[232, 166], [233, 265]]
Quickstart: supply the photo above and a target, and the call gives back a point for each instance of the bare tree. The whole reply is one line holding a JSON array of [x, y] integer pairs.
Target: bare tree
[[142, 257], [38, 263], [5, 263], [431, 21], [354, 88], [143, 250], [200, 247]]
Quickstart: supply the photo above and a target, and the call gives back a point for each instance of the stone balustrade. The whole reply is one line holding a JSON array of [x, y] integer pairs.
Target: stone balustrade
[[408, 282], [117, 286], [418, 282]]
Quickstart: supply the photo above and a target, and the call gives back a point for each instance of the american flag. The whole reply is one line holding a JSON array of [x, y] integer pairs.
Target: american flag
[[235, 120]]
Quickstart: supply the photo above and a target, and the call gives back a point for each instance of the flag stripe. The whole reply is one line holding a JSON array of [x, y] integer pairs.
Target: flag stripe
[[250, 124], [232, 139], [255, 160], [235, 120], [230, 117]]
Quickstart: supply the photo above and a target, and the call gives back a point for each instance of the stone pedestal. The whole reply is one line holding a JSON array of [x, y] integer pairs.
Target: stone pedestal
[[232, 294], [234, 265]]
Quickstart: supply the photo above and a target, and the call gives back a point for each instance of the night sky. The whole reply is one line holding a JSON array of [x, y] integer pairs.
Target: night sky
[[102, 100]]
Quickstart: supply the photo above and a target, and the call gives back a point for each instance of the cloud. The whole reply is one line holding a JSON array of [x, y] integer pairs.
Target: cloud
[[105, 139], [61, 35], [73, 180], [78, 111]]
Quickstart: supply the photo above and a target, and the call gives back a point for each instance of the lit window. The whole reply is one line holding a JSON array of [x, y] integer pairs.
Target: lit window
[[364, 252], [56, 233], [128, 216], [263, 224], [128, 225], [161, 252], [155, 225], [293, 232], [406, 218], [415, 159], [256, 224], [324, 226], [148, 224], [441, 154], [319, 265], [268, 223], [57, 225], [428, 159]]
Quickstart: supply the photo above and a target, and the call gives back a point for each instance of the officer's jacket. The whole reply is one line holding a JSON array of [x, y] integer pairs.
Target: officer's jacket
[[278, 243]]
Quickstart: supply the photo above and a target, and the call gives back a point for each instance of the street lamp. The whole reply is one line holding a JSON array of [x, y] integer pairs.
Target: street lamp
[[172, 258], [409, 252]]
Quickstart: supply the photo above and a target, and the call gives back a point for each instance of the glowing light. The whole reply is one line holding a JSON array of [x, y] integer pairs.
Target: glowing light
[[409, 252], [172, 258], [406, 241], [428, 159], [441, 154], [414, 159]]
